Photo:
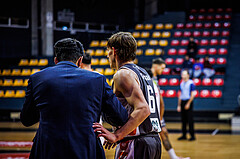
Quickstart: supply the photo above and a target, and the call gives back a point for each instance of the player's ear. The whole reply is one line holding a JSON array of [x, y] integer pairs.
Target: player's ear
[[114, 51], [55, 60], [79, 61]]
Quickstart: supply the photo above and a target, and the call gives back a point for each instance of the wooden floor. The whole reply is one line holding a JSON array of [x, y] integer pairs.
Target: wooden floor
[[207, 146]]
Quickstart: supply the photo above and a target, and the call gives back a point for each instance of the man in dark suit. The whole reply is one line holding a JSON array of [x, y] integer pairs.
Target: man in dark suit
[[66, 101]]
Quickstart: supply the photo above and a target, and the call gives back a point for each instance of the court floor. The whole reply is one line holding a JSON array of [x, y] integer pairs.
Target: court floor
[[214, 140]]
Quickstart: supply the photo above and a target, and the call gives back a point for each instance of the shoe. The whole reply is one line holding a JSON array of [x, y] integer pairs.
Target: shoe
[[192, 139], [182, 138]]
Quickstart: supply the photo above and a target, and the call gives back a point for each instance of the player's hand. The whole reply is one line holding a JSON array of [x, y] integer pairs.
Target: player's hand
[[187, 106], [104, 133], [108, 145], [178, 108]]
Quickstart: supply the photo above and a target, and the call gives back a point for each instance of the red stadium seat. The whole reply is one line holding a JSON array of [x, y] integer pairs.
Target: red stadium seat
[[227, 17], [180, 26], [223, 42], [187, 33], [205, 93], [202, 10], [191, 17], [169, 61], [175, 42], [177, 34], [202, 51], [218, 82], [198, 25], [200, 17], [193, 11], [196, 93], [201, 60], [215, 33], [225, 33], [173, 82], [217, 25], [207, 25], [216, 94], [184, 42], [207, 82], [178, 93], [163, 82], [197, 81], [162, 92], [196, 33], [212, 60], [182, 51], [213, 42], [179, 61], [206, 33], [209, 17], [219, 10], [171, 93], [222, 51], [221, 61], [166, 71], [229, 10], [218, 17], [212, 51], [189, 25], [211, 10], [172, 51], [226, 24], [204, 42]]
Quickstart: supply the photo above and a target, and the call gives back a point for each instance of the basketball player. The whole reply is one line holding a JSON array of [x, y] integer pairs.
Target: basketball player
[[158, 66], [138, 138]]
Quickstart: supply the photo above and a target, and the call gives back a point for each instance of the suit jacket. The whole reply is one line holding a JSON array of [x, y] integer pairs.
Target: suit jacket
[[66, 101]]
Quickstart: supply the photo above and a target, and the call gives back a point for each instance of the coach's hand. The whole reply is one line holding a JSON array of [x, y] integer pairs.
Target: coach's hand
[[112, 138]]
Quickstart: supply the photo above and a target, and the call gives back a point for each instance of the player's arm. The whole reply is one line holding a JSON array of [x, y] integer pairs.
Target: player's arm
[[179, 103], [162, 107]]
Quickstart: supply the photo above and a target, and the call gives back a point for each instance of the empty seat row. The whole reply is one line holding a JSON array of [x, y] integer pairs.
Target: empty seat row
[[16, 82], [97, 52], [206, 25], [210, 17], [197, 82], [202, 42], [33, 62], [201, 94], [211, 10], [158, 26], [18, 72], [106, 72], [152, 43], [201, 51], [97, 43], [205, 33], [179, 61], [156, 34], [12, 94]]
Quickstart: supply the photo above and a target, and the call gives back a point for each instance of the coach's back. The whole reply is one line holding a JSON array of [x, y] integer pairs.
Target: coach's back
[[67, 100]]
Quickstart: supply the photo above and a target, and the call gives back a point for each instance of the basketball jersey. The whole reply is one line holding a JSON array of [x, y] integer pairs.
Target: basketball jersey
[[152, 122]]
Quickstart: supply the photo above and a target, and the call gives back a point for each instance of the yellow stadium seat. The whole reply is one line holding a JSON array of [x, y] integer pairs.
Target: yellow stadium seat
[[136, 34], [139, 52], [43, 62], [153, 42], [1, 93], [23, 62], [25, 83], [18, 82], [6, 72], [90, 51], [99, 52], [103, 61], [107, 80], [99, 70], [7, 82], [106, 52], [16, 72], [159, 52], [139, 27], [163, 42], [149, 52], [33, 62], [141, 43], [94, 61], [9, 94], [111, 82], [166, 34], [26, 72], [20, 94], [34, 71], [1, 82], [148, 26], [108, 72], [156, 34], [168, 26], [94, 43], [103, 43], [135, 61], [145, 34], [159, 26]]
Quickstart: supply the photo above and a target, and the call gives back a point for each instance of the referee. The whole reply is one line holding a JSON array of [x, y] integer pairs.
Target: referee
[[185, 105]]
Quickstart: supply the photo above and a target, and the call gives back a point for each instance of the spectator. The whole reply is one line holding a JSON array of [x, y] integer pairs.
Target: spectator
[[208, 70], [86, 62], [192, 48], [197, 69], [187, 65]]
